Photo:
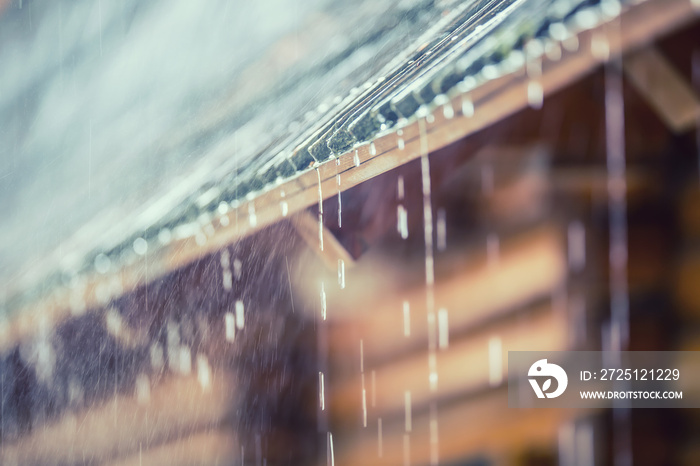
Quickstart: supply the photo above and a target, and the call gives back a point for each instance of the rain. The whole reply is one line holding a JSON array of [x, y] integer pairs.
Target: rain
[[297, 233]]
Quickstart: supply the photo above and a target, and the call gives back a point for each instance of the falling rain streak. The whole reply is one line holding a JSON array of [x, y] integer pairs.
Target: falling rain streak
[[320, 210], [341, 273], [227, 276], [230, 326], [618, 331], [467, 106], [340, 203], [203, 372], [184, 336], [321, 392], [240, 315], [495, 361], [401, 213], [374, 388], [406, 319], [695, 79], [330, 460], [429, 284], [443, 329], [252, 218], [535, 93], [441, 230], [284, 205], [323, 301]]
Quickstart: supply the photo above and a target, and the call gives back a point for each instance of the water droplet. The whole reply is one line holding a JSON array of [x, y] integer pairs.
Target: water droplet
[[185, 360], [252, 218], [406, 319], [237, 268], [402, 221], [447, 111], [427, 209], [143, 389], [320, 210], [323, 301], [467, 107], [341, 273], [364, 403], [157, 359], [535, 95], [321, 392], [113, 321], [164, 236], [432, 371], [140, 246], [203, 372], [356, 159], [495, 361], [230, 326], [225, 259], [340, 203], [102, 263], [600, 47], [240, 314], [362, 356], [222, 207], [331, 454], [441, 230], [372, 149], [443, 329]]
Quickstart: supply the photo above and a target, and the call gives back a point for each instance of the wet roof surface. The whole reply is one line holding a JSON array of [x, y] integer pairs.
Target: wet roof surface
[[122, 122]]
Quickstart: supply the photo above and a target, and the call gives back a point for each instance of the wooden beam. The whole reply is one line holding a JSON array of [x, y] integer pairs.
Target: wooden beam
[[464, 367], [176, 407], [215, 447], [664, 88], [530, 266], [478, 428], [321, 240]]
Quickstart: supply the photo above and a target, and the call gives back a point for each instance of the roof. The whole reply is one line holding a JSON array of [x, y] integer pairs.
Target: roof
[[134, 128]]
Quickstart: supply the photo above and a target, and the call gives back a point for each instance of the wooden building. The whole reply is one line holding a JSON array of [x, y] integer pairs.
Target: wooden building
[[352, 301]]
